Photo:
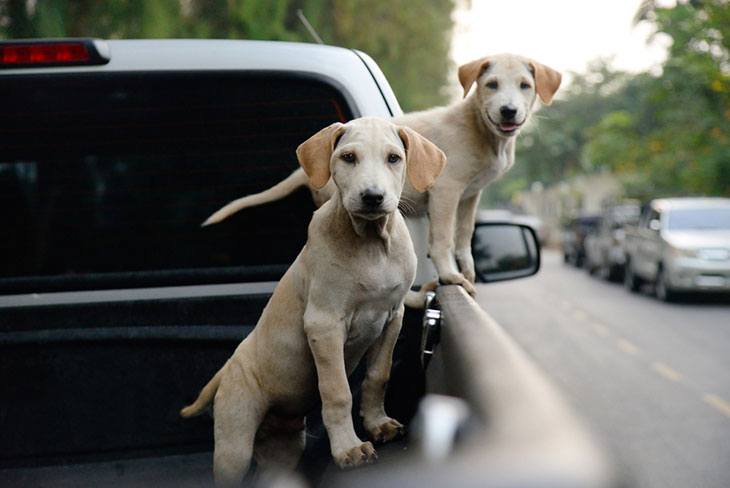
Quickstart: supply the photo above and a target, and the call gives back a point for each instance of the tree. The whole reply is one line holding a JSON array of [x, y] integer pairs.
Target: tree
[[676, 141], [408, 38]]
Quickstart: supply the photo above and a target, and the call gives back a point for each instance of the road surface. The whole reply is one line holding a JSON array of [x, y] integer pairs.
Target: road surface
[[651, 379]]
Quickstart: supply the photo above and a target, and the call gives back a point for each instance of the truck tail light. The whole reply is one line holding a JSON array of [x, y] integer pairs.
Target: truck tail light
[[43, 53]]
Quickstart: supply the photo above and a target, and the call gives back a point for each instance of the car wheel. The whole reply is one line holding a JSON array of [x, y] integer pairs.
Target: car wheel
[[614, 273], [662, 289], [603, 271], [631, 281]]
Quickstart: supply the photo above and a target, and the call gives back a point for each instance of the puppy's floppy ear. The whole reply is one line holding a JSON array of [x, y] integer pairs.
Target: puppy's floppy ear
[[469, 72], [424, 161], [315, 153], [547, 81]]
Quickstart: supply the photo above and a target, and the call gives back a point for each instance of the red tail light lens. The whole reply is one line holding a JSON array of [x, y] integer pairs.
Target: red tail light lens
[[22, 54], [41, 53]]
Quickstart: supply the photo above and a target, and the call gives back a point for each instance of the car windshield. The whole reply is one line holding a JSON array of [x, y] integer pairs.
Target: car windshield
[[707, 218]]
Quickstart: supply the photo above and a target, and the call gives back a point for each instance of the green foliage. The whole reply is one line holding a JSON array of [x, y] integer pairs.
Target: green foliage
[[661, 135], [408, 38], [677, 138]]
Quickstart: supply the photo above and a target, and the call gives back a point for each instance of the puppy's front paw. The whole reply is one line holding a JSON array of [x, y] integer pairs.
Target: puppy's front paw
[[386, 431], [470, 275], [459, 279], [361, 454], [465, 261]]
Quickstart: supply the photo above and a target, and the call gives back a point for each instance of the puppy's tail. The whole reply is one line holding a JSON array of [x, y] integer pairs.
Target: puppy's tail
[[204, 398], [417, 299], [277, 192]]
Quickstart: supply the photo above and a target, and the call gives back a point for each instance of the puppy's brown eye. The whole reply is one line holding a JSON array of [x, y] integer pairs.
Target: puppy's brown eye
[[348, 157], [525, 86], [393, 158], [493, 85]]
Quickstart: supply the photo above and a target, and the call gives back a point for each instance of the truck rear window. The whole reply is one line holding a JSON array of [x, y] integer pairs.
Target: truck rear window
[[105, 178]]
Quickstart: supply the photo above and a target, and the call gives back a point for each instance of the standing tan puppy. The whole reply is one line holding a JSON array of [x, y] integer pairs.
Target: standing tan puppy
[[478, 136], [341, 299]]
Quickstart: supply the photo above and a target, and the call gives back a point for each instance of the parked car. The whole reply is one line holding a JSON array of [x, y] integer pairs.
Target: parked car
[[116, 307], [574, 235], [604, 247], [680, 245]]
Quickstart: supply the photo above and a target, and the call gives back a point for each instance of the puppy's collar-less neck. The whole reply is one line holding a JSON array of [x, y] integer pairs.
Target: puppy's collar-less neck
[[379, 227]]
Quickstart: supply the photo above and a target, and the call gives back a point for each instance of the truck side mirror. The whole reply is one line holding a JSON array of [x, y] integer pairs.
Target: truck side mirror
[[504, 251]]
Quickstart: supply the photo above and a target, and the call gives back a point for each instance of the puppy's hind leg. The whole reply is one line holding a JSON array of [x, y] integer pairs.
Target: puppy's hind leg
[[238, 411], [279, 445]]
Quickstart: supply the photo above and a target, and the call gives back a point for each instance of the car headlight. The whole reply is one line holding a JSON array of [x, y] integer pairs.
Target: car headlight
[[717, 254], [680, 252]]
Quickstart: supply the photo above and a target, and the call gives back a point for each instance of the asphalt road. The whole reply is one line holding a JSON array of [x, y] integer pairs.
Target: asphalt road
[[651, 379]]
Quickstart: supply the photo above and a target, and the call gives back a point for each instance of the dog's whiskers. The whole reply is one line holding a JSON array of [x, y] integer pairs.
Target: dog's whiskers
[[406, 205], [406, 209]]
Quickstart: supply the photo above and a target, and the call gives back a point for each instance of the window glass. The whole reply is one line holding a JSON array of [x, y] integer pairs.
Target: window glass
[[115, 173], [700, 219]]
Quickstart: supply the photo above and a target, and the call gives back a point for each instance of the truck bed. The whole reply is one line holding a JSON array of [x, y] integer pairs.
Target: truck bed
[[182, 470]]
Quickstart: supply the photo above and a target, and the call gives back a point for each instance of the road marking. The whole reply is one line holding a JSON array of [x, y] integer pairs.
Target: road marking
[[717, 403], [600, 329], [579, 315], [627, 347], [665, 371]]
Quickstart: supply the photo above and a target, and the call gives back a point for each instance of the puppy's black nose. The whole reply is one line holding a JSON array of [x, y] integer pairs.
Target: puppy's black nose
[[372, 197], [508, 113]]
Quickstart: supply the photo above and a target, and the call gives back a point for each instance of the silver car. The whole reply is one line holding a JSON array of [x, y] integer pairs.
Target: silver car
[[681, 245]]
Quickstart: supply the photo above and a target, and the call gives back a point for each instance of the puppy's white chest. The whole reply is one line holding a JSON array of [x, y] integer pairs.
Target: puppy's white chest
[[380, 289], [493, 168], [366, 325]]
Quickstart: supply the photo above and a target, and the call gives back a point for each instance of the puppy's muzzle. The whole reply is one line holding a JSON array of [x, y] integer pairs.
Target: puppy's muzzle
[[372, 199], [508, 125]]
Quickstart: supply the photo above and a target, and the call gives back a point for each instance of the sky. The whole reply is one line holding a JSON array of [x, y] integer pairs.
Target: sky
[[563, 34]]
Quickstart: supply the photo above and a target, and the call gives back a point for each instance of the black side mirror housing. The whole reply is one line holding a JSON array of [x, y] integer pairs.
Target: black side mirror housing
[[504, 251]]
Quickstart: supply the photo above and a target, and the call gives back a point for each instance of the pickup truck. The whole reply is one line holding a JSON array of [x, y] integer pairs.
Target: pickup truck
[[116, 307], [680, 245]]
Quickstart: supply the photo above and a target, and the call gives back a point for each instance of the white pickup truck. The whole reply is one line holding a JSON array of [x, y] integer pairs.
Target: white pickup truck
[[115, 306]]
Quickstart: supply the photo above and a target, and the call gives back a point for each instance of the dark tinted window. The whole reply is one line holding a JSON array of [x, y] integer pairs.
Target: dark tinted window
[[108, 177]]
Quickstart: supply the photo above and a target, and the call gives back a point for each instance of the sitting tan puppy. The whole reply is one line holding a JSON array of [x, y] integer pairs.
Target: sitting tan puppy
[[341, 299], [478, 136]]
